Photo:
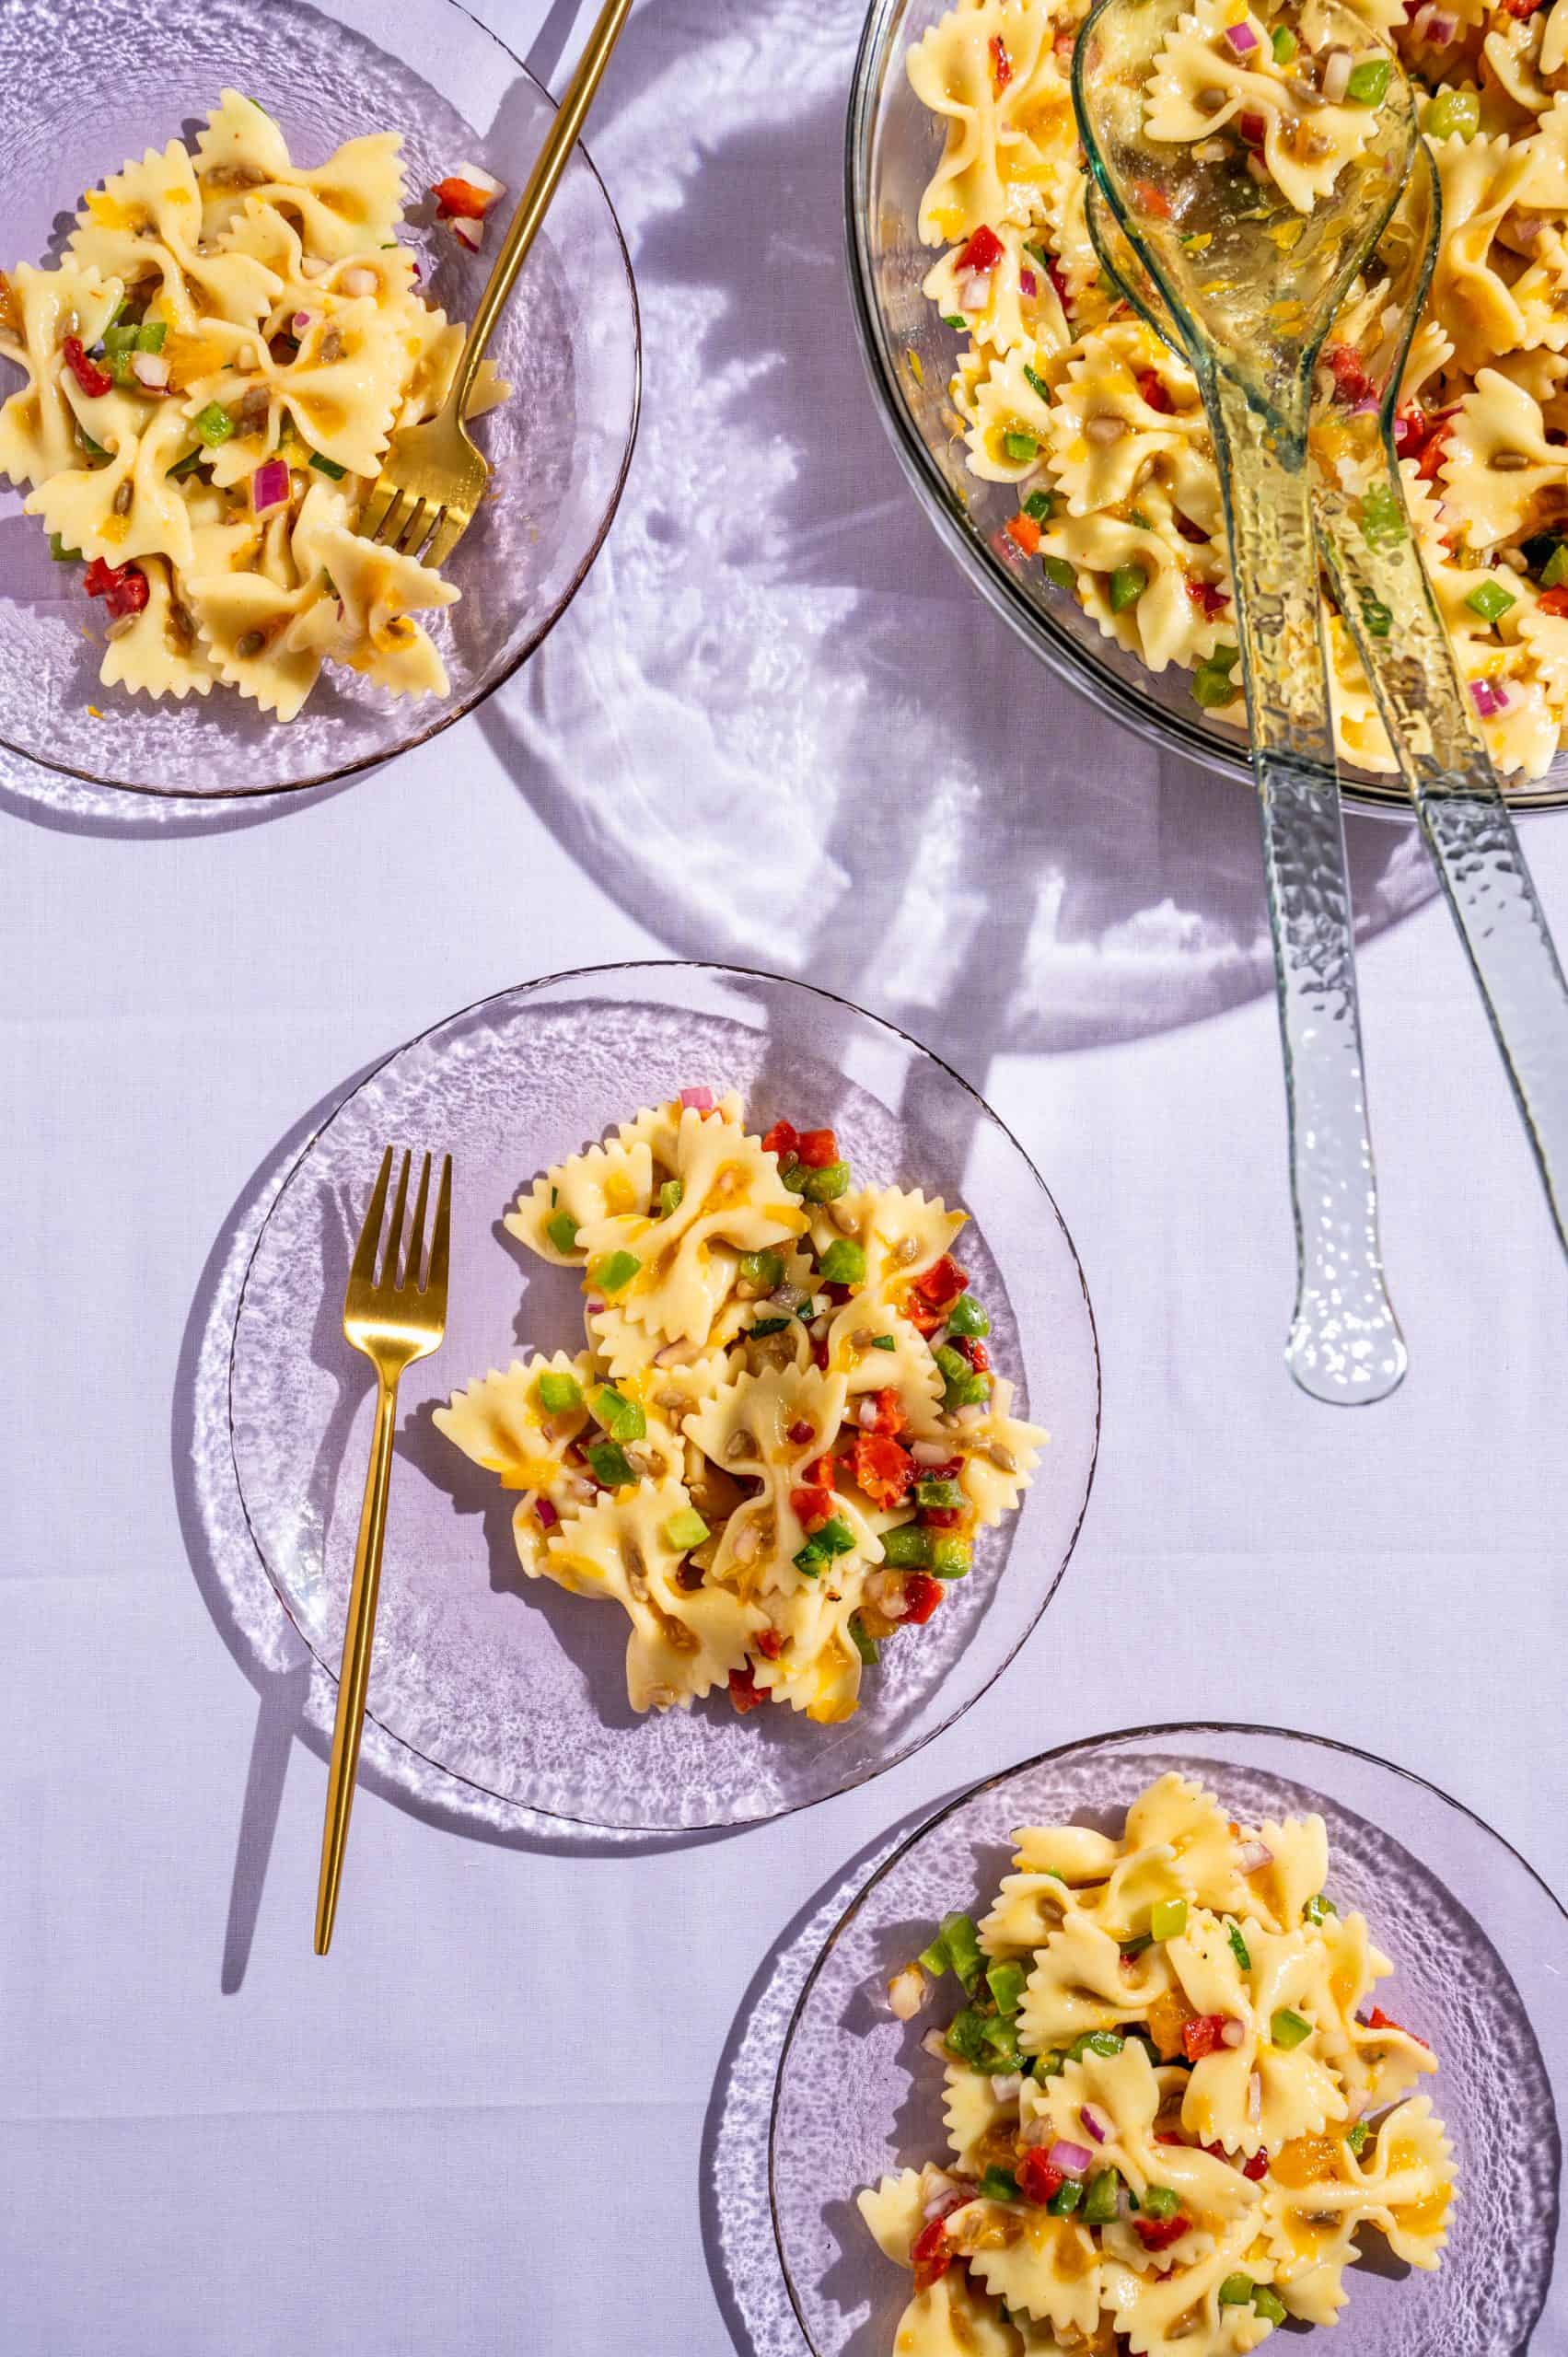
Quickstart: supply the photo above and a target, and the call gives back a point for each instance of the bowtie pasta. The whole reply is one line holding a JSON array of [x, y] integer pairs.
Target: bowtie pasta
[[1169, 2103], [213, 370], [783, 1431], [1060, 394]]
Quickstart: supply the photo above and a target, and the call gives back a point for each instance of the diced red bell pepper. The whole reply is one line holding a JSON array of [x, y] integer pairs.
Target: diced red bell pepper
[[812, 1508], [817, 1148], [890, 1417], [1554, 602], [461, 198], [1254, 128], [942, 1283], [1352, 382], [982, 253], [929, 2254], [925, 1319], [820, 1351], [122, 588], [1203, 2034], [1521, 8], [1053, 271], [969, 1346], [1379, 2019], [92, 380], [1153, 392], [1024, 533], [770, 1642], [822, 1471], [921, 1596], [1257, 2169], [883, 1469], [1001, 64], [744, 1691], [1152, 200], [783, 1139], [1209, 600], [1038, 2179], [1158, 2233], [941, 1517], [800, 1432]]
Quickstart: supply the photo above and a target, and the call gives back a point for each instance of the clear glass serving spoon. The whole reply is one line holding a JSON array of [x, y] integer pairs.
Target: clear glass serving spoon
[[1387, 604], [1255, 286]]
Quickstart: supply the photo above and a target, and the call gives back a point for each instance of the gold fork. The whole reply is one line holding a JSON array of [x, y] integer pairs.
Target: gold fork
[[393, 1324], [432, 476]]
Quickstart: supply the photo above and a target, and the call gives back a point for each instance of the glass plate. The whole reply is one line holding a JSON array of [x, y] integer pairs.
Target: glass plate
[[514, 1685], [1476, 1937], [567, 340]]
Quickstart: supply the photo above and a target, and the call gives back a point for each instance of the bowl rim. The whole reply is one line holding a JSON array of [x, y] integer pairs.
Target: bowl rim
[[1071, 661], [1089, 1743], [458, 708], [728, 971]]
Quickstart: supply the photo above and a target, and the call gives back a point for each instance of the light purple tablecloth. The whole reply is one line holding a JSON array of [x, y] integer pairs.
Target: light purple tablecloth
[[775, 726]]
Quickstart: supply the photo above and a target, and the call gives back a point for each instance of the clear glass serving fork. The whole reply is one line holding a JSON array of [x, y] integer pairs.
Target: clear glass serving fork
[[1388, 608], [1254, 314]]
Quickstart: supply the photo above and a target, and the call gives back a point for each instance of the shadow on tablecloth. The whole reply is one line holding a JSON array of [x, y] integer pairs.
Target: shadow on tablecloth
[[777, 724]]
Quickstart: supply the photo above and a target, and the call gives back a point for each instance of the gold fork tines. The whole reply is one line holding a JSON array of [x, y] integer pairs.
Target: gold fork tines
[[432, 476], [393, 1317]]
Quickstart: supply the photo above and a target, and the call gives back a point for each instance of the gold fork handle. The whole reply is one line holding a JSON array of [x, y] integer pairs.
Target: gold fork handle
[[355, 1675], [534, 202]]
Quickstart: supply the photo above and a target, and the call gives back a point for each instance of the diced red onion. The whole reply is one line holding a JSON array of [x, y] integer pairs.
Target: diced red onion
[[478, 177], [1241, 38], [1367, 408], [866, 1415], [1124, 2204], [269, 487], [1071, 2159], [311, 266], [1336, 76], [467, 233], [944, 2187], [1488, 697], [593, 1305], [1255, 1855], [302, 320], [974, 291], [417, 271], [1442, 30], [930, 1452], [1005, 2086], [1093, 2124], [699, 1100], [546, 1512], [150, 369], [359, 281], [1028, 283], [1422, 19], [1233, 2034]]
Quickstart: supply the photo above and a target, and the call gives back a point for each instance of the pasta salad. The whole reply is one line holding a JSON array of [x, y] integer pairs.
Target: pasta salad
[[213, 370], [784, 1432], [1171, 2104], [1061, 395]]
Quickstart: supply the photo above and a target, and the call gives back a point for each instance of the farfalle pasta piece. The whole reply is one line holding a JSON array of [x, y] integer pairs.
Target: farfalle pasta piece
[[146, 220], [38, 309], [991, 74], [683, 1642], [126, 508], [894, 2212], [1203, 81], [953, 2318], [348, 205], [1498, 462], [157, 652]]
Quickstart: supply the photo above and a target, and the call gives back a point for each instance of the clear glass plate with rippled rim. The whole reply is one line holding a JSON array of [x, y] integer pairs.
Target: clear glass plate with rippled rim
[[567, 341], [1477, 1940], [511, 1684], [893, 146]]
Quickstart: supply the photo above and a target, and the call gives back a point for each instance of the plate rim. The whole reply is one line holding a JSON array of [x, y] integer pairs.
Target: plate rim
[[745, 973]]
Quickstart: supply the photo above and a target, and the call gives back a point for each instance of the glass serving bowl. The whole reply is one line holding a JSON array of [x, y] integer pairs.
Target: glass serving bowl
[[508, 1683], [892, 145], [567, 341], [1476, 1938]]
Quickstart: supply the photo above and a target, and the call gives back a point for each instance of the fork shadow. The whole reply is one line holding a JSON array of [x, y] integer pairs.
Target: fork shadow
[[296, 1694], [804, 742]]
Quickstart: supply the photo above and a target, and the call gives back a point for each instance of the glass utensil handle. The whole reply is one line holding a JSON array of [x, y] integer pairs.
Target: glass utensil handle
[[1346, 1345], [1386, 600]]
